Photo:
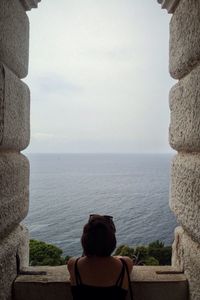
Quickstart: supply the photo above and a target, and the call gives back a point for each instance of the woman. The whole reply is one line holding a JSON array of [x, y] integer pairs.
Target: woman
[[98, 275]]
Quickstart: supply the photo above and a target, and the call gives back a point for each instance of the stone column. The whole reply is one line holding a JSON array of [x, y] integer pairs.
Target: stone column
[[184, 136], [14, 137]]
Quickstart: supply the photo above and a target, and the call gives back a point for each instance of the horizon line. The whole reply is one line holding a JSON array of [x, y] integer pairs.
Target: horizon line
[[26, 152]]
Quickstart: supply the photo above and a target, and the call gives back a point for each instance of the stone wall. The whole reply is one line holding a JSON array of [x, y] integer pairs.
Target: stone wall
[[148, 283], [184, 136], [14, 137]]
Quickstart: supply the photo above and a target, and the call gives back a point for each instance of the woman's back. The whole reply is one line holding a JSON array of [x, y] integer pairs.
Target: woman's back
[[98, 275], [99, 278]]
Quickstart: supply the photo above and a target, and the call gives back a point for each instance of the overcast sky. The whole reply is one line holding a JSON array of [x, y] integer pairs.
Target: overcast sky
[[98, 75]]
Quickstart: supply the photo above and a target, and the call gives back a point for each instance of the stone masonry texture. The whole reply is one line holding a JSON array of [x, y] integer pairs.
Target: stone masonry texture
[[14, 111], [29, 4], [16, 243], [184, 38], [14, 37], [185, 192], [184, 132], [14, 190], [147, 284], [2, 89], [186, 256], [170, 5]]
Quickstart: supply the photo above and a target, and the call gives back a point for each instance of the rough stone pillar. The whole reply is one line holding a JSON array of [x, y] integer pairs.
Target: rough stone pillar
[[14, 137], [184, 136]]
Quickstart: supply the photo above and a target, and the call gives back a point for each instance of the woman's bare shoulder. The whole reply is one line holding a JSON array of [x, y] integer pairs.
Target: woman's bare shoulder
[[70, 266], [128, 261], [71, 262]]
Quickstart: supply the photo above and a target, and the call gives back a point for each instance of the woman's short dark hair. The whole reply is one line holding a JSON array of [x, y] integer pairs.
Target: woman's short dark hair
[[98, 237]]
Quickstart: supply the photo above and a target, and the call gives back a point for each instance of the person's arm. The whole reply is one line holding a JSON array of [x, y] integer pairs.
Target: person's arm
[[70, 266], [128, 261]]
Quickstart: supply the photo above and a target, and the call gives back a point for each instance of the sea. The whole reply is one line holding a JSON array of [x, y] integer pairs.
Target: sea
[[66, 188]]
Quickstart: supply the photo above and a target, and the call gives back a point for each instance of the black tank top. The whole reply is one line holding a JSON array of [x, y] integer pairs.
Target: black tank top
[[82, 291]]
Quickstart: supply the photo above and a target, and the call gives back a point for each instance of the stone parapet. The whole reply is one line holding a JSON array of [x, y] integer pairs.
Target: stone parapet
[[14, 37], [29, 4], [184, 132], [14, 190], [14, 111], [148, 283], [184, 38], [16, 243], [186, 254], [185, 192]]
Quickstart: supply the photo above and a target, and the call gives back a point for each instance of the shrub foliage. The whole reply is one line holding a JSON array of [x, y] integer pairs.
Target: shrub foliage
[[43, 254], [156, 253]]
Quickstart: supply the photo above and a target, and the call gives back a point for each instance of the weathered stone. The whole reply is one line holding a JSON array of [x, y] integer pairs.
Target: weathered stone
[[148, 283], [14, 37], [184, 38], [177, 250], [169, 5], [29, 4], [16, 243], [23, 248], [2, 89], [14, 111], [185, 192], [186, 255], [184, 132], [14, 190]]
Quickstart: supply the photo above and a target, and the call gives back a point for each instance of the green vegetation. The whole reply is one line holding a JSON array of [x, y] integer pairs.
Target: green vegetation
[[156, 253], [43, 254]]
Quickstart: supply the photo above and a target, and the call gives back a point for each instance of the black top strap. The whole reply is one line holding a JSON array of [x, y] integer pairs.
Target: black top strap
[[129, 280], [120, 279], [77, 274]]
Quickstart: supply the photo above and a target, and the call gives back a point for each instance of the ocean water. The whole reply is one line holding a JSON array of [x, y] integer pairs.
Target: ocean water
[[66, 188]]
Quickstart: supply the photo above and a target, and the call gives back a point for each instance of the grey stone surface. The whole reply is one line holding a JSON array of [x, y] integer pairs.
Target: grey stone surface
[[185, 192], [147, 284], [186, 255], [2, 81], [184, 38], [177, 250], [23, 247], [29, 4], [14, 190], [184, 132], [15, 242], [169, 5], [14, 111], [14, 37]]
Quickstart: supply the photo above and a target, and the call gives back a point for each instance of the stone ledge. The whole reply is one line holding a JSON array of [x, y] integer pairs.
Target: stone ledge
[[152, 283]]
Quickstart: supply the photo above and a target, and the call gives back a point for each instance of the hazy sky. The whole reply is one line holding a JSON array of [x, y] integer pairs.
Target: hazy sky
[[98, 75]]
